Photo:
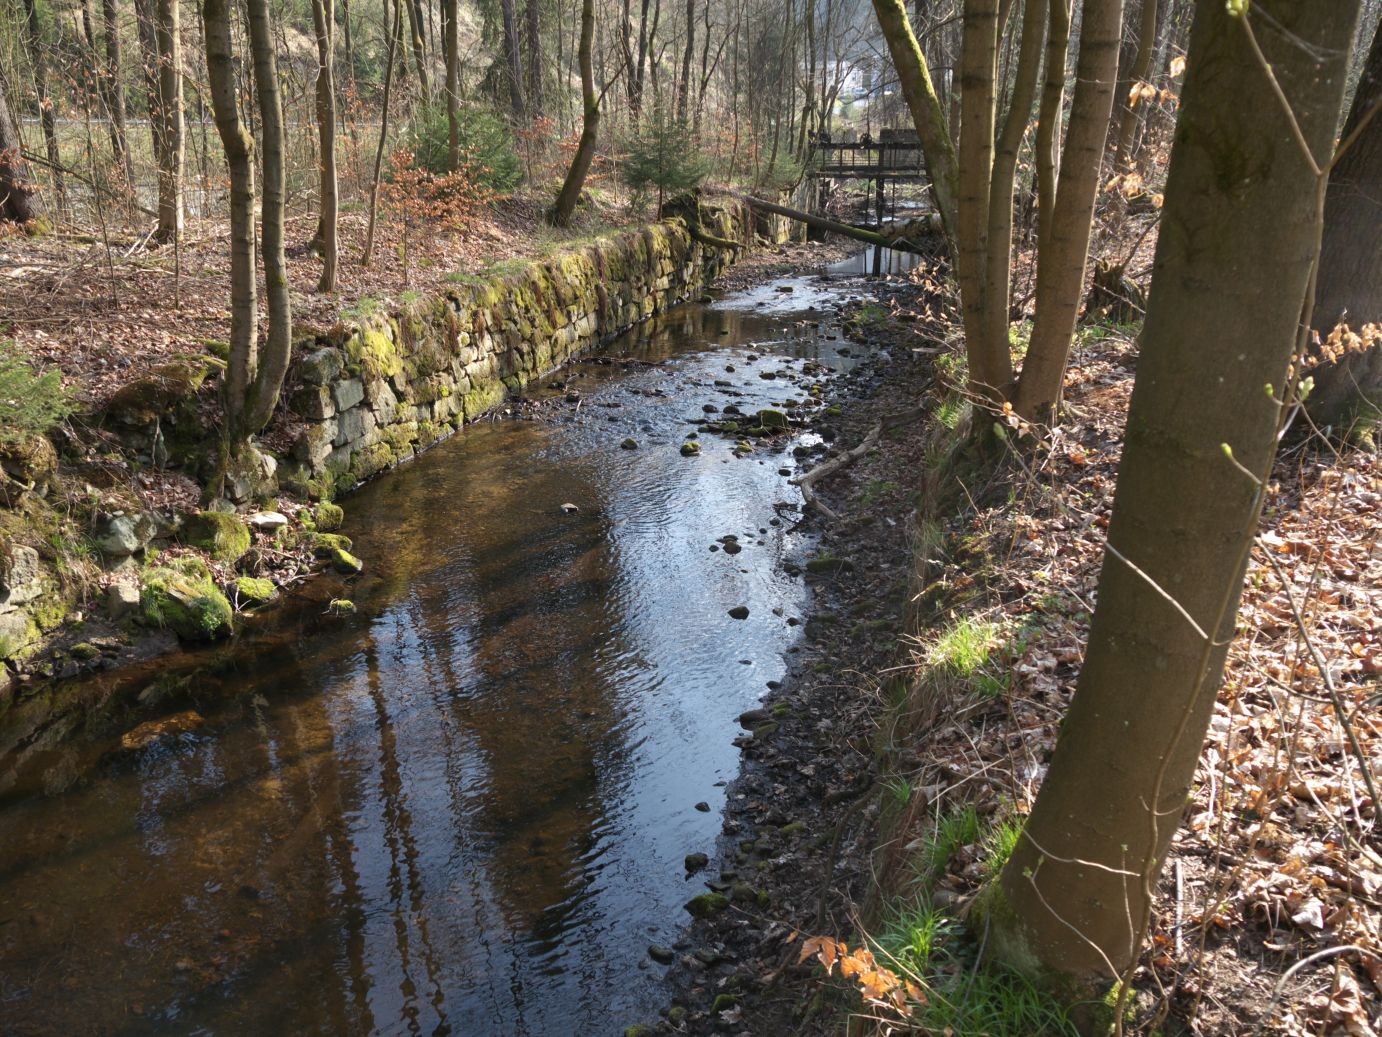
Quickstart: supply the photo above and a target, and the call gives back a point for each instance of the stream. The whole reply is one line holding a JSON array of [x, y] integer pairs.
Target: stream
[[463, 808]]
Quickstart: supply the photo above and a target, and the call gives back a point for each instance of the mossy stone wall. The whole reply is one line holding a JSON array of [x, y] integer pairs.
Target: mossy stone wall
[[380, 387]]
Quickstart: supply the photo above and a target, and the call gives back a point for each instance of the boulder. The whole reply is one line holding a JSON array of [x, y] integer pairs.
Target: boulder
[[225, 537], [123, 534], [20, 575], [122, 599], [188, 603]]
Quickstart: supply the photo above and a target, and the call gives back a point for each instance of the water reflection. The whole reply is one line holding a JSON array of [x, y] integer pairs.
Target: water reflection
[[464, 809]]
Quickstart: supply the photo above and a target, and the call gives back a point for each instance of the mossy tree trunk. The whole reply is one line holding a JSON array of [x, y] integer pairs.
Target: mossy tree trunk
[[1350, 281], [326, 240], [278, 343], [415, 26], [914, 78], [1075, 897], [239, 149], [1064, 250], [590, 124], [20, 201]]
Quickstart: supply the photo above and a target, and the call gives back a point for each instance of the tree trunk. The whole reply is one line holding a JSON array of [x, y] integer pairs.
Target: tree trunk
[[278, 344], [395, 32], [115, 89], [998, 272], [978, 59], [590, 125], [1061, 264], [172, 148], [1350, 280], [533, 18], [19, 198], [239, 148], [47, 110], [914, 77], [684, 88], [513, 57], [1075, 897], [415, 24], [1142, 64], [1048, 136], [326, 242], [450, 45]]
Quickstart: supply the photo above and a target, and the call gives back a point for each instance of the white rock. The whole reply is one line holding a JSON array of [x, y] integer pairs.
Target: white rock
[[267, 521]]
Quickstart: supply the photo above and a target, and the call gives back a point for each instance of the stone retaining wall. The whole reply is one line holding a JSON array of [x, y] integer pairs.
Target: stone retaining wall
[[381, 386]]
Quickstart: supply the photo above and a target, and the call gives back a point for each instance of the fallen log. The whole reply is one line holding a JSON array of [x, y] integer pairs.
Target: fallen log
[[900, 239]]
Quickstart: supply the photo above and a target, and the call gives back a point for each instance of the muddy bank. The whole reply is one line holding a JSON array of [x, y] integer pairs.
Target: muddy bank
[[793, 856]]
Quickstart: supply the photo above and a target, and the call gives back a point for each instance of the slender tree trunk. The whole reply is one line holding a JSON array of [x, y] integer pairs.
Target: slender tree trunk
[[239, 149], [20, 201], [277, 348], [978, 56], [1221, 323], [349, 41], [1061, 263], [513, 57], [998, 273], [450, 45], [395, 33], [533, 18], [590, 125], [325, 242], [47, 110], [914, 78], [115, 89], [1350, 282], [1142, 64], [1049, 117], [684, 89], [171, 149], [415, 26]]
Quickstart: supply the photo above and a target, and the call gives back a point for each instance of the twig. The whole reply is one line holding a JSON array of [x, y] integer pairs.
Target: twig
[[815, 475]]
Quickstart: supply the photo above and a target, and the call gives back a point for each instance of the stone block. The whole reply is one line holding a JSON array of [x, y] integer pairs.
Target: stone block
[[321, 366], [348, 393], [313, 401]]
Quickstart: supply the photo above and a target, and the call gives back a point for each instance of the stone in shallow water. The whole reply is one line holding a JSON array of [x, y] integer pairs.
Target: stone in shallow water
[[152, 731], [739, 611]]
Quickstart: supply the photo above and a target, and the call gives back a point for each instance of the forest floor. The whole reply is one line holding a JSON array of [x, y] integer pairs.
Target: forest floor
[[898, 754]]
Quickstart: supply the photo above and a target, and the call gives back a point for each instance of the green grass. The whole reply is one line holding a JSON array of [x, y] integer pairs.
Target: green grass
[[964, 647], [951, 831]]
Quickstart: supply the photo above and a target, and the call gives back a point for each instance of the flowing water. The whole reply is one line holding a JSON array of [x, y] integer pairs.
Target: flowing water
[[464, 808]]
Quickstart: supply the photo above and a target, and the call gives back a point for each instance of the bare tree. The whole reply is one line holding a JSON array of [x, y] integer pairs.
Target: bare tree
[[325, 241], [19, 198]]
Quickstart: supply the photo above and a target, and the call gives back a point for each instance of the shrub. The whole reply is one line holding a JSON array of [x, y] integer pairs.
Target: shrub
[[30, 403], [486, 145], [663, 154]]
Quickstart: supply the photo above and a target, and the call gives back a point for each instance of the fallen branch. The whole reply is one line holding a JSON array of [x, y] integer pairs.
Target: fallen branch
[[897, 241], [815, 475]]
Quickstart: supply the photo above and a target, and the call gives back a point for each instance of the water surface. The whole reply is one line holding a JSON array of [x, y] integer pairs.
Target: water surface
[[463, 809]]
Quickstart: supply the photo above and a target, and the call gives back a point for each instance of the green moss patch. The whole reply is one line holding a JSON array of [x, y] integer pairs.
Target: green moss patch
[[225, 537]]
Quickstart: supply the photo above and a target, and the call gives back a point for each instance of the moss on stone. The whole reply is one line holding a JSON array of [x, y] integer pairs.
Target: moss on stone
[[191, 606], [707, 904], [328, 517], [224, 536], [253, 590], [345, 562], [325, 543]]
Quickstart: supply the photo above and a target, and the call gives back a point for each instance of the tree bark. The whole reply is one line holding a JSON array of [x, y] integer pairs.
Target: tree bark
[[914, 78], [115, 89], [1350, 279], [278, 343], [513, 57], [590, 123], [171, 149], [47, 111], [1061, 263], [395, 34], [533, 19], [20, 201], [415, 25], [684, 87], [1049, 116], [1074, 898], [326, 240], [450, 45], [1142, 64], [998, 261], [239, 149]]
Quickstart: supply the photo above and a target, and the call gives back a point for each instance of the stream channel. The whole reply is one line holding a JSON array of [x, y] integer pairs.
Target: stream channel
[[463, 809]]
